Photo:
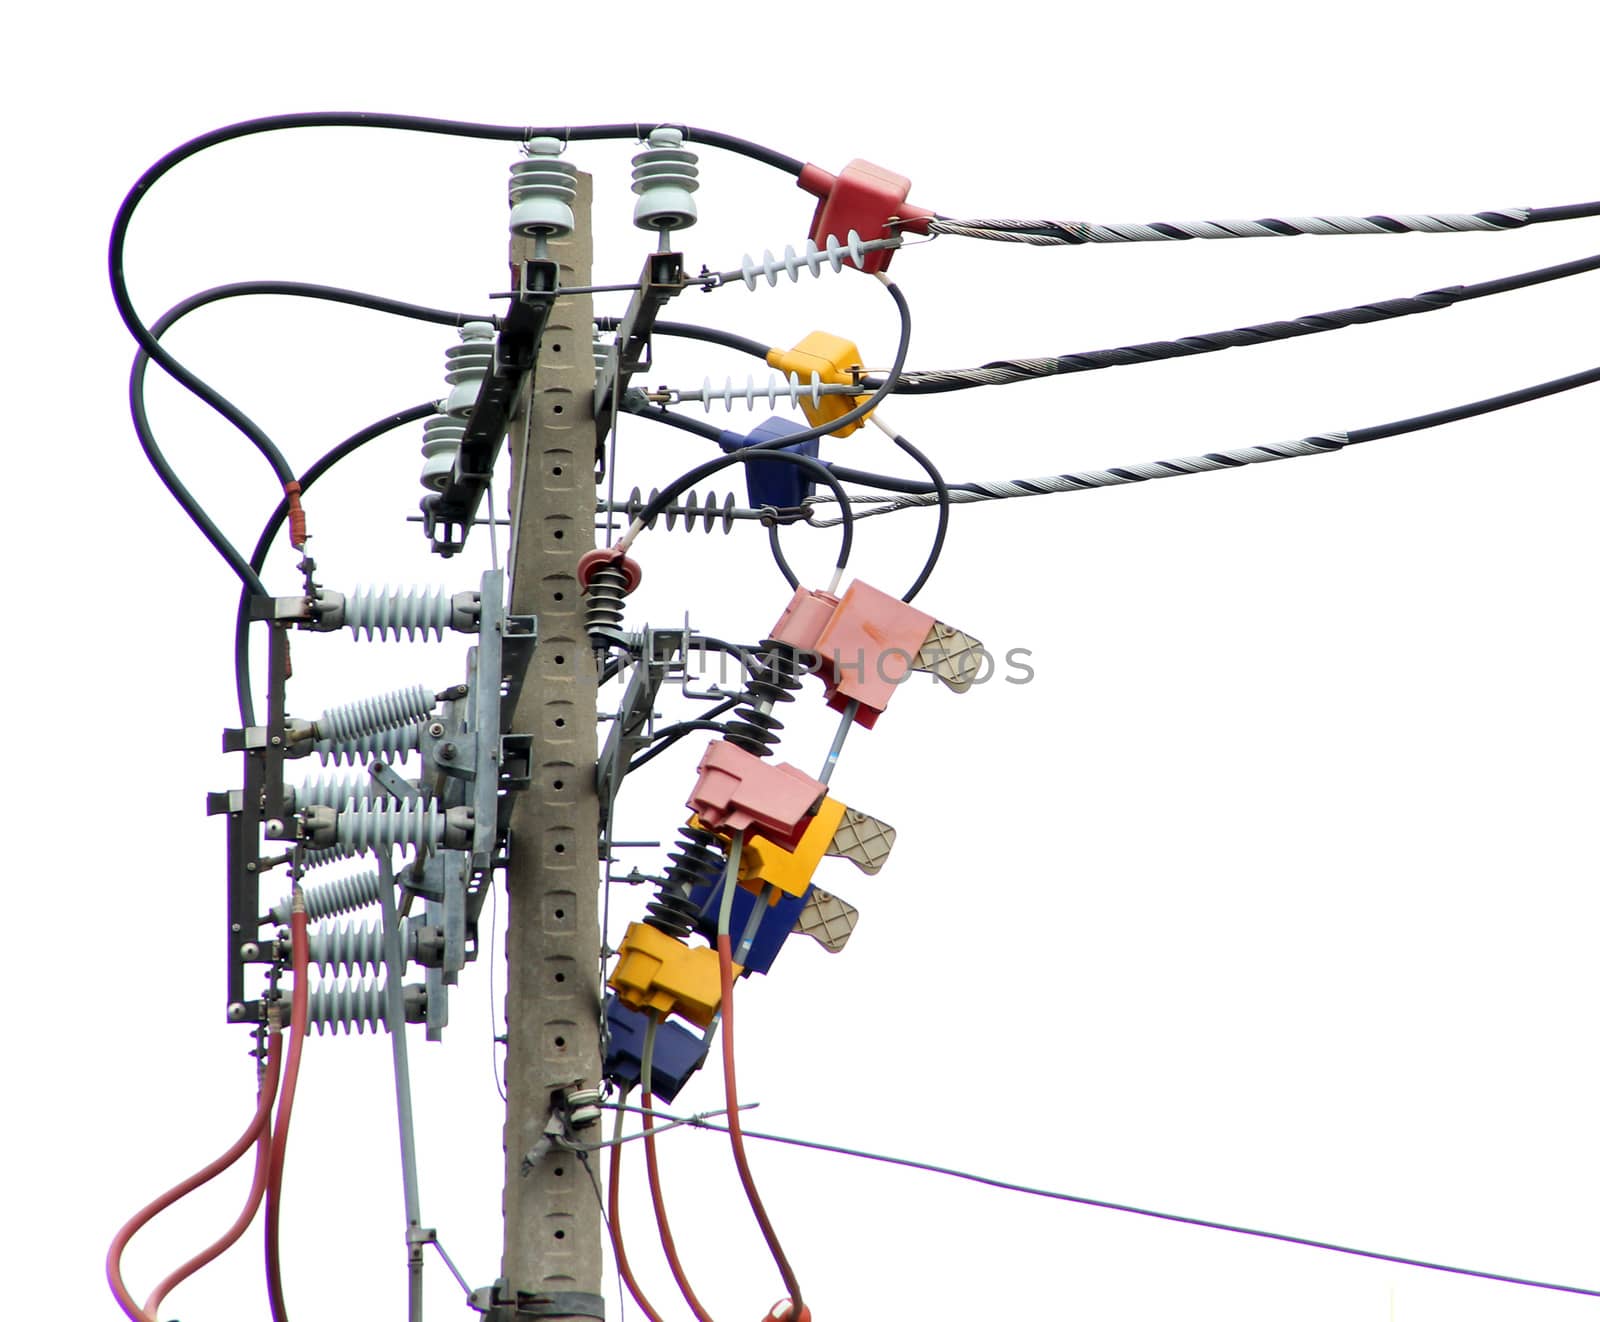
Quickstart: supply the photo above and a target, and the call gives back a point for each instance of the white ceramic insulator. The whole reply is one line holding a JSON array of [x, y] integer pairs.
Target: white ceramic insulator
[[353, 1007], [397, 612], [366, 716], [392, 745], [776, 388], [465, 366], [332, 897], [441, 442], [665, 176], [832, 253], [542, 190], [386, 823]]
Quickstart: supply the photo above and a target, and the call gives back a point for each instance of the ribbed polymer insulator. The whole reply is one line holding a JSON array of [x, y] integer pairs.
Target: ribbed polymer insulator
[[441, 442], [386, 823], [332, 788], [697, 860], [352, 947], [541, 191], [776, 388], [665, 176], [465, 366], [602, 604], [332, 897], [832, 253], [391, 745], [751, 728], [396, 612], [368, 716], [311, 859], [710, 515], [353, 1007]]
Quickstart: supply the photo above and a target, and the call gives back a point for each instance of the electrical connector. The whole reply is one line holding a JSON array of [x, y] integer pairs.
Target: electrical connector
[[677, 1053], [832, 359], [780, 914], [782, 486], [863, 197], [661, 973], [737, 790], [866, 643]]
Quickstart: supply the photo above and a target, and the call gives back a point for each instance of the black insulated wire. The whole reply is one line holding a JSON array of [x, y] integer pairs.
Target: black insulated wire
[[1476, 409], [1574, 211], [706, 334], [942, 488], [248, 574], [258, 558], [1010, 371], [148, 341]]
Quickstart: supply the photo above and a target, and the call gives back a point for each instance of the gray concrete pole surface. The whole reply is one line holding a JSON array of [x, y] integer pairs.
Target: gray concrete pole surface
[[552, 1217]]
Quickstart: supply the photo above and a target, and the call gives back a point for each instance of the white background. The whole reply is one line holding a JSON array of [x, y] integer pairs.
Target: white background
[[1271, 899]]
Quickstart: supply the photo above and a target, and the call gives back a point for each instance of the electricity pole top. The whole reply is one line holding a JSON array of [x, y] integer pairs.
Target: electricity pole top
[[552, 1250]]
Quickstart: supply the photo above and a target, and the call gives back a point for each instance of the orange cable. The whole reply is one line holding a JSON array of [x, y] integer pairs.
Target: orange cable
[[736, 1131], [291, 1075], [203, 1176], [667, 1245], [258, 1186], [614, 1224]]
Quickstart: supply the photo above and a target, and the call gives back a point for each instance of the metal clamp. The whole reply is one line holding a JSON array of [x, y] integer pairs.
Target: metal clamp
[[499, 1303]]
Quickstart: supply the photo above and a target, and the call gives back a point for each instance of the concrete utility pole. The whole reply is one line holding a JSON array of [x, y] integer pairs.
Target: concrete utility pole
[[552, 1255]]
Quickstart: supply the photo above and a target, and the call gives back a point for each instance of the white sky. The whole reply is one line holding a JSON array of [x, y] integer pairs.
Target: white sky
[[1270, 900]]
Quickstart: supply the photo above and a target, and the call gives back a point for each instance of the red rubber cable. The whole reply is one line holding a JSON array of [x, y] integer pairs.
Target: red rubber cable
[[258, 1186], [280, 1128], [667, 1245], [736, 1131], [614, 1225], [205, 1175]]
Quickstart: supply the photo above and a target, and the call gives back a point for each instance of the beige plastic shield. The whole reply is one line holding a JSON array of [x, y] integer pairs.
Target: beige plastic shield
[[827, 920], [864, 840], [950, 656]]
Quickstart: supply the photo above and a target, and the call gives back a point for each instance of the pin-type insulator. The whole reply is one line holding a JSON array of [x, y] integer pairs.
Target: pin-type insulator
[[465, 366], [675, 1056], [738, 790], [541, 191], [866, 643], [665, 176], [833, 361], [441, 443], [863, 197], [782, 486], [662, 974]]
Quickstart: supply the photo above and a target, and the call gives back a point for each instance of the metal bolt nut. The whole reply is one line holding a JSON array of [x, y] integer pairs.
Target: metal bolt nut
[[249, 950], [235, 1012], [274, 828], [436, 729]]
